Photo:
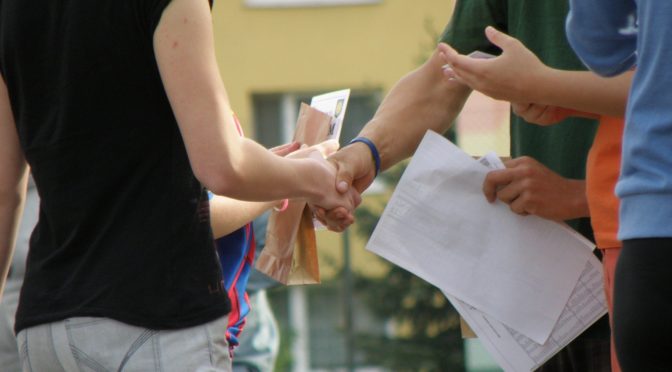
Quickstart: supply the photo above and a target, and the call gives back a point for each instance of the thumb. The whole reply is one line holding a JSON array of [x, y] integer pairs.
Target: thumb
[[344, 179], [344, 174], [500, 39], [327, 148]]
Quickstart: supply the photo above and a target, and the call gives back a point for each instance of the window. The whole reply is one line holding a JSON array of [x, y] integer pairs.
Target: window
[[305, 3], [275, 115]]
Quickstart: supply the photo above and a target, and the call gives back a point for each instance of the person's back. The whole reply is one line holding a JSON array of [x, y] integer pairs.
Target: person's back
[[122, 233]]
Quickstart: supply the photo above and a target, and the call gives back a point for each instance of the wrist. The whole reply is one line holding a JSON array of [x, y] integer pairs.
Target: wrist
[[580, 204], [373, 151]]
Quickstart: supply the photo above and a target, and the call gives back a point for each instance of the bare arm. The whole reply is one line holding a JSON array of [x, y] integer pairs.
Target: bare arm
[[225, 163], [517, 75], [227, 215], [13, 181], [544, 96], [424, 99]]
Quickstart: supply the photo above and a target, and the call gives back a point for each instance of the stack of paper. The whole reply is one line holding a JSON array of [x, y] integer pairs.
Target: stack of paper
[[527, 286]]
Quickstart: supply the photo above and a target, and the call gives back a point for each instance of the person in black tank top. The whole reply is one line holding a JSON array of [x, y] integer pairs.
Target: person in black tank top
[[121, 114]]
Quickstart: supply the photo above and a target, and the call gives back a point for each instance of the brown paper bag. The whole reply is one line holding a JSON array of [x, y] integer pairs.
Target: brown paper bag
[[290, 254]]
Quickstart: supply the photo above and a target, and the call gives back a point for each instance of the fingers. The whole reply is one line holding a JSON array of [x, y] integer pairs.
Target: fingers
[[337, 219], [353, 163], [327, 148], [464, 69], [518, 206], [494, 181], [344, 177], [286, 149], [502, 40], [520, 109], [532, 113], [319, 151]]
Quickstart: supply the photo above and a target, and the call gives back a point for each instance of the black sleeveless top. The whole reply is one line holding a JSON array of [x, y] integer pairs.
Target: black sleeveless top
[[124, 228]]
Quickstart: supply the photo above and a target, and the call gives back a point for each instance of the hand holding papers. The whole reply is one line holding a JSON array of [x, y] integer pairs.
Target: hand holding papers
[[520, 271]]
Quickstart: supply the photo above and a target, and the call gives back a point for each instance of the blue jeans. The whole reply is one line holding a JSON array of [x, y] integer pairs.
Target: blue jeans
[[102, 344]]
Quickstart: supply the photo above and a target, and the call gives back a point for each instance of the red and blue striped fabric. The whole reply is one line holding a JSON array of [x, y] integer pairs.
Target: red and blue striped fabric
[[236, 256]]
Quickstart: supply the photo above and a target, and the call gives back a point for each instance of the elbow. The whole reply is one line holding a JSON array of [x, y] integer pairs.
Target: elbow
[[607, 55], [609, 65], [221, 180]]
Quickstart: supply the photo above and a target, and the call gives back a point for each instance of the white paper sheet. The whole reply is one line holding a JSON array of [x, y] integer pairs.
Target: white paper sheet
[[334, 104], [519, 270], [513, 351]]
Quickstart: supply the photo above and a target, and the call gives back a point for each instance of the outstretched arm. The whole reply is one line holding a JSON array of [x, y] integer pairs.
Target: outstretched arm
[[228, 215], [13, 181], [225, 163], [518, 76], [545, 96], [424, 99]]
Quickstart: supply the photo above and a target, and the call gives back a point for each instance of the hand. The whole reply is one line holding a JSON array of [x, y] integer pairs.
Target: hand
[[512, 76], [355, 170], [540, 114], [286, 149], [325, 149], [342, 204], [342, 218], [529, 187]]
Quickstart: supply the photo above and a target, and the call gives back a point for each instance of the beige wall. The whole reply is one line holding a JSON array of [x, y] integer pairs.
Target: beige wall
[[322, 48]]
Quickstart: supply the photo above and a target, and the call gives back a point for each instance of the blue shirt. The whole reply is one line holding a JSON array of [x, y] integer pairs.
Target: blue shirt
[[611, 38]]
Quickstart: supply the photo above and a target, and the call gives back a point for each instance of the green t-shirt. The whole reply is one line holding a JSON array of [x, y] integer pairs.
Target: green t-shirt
[[540, 26]]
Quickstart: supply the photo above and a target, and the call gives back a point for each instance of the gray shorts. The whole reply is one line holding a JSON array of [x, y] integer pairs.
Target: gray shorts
[[102, 344]]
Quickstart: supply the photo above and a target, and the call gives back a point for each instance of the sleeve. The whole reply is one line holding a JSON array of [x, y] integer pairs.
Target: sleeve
[[603, 34], [466, 30], [154, 11]]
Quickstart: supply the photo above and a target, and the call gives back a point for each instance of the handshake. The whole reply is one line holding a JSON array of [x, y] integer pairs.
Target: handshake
[[338, 180]]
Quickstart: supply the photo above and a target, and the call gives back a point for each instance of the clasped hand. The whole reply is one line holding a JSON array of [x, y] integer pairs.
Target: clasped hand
[[323, 174]]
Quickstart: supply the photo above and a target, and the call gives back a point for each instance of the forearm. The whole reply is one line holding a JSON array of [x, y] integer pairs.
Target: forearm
[[583, 91], [253, 173], [225, 163], [228, 215], [420, 101]]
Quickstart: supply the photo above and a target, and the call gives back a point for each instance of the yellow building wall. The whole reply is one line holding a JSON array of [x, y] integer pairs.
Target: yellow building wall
[[367, 47], [321, 48]]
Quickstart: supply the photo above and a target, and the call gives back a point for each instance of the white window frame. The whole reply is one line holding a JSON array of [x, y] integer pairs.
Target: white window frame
[[305, 3]]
